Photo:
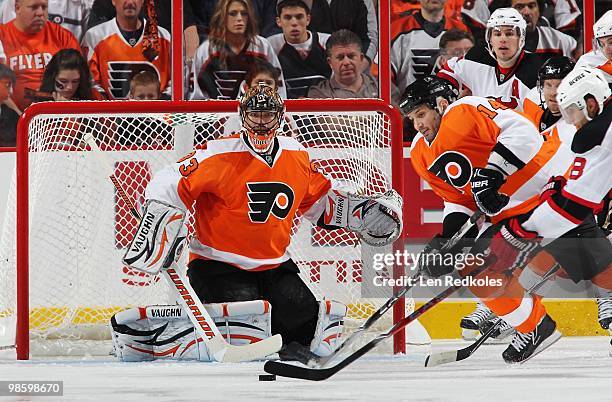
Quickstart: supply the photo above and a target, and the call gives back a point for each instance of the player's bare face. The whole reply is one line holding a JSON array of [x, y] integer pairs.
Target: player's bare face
[[529, 10], [67, 83], [237, 18], [505, 43], [604, 45], [31, 15], [345, 62], [294, 22], [426, 121], [265, 79], [128, 8], [549, 91]]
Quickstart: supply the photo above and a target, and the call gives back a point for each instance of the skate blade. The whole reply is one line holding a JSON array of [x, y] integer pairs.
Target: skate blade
[[544, 345]]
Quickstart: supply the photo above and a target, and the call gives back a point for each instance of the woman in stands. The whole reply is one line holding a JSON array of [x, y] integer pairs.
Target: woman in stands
[[66, 77], [222, 61]]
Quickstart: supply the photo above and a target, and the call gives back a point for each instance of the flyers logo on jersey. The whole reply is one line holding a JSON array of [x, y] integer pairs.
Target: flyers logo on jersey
[[269, 198], [452, 167]]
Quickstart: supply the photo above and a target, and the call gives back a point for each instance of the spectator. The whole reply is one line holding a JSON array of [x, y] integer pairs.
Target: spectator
[[416, 40], [144, 85], [453, 43], [301, 52], [503, 71], [354, 15], [8, 113], [345, 55], [601, 56], [67, 77], [117, 48], [222, 61], [28, 44], [71, 14], [543, 39]]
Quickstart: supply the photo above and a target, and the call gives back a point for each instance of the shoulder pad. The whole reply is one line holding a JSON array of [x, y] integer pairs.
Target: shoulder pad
[[593, 133]]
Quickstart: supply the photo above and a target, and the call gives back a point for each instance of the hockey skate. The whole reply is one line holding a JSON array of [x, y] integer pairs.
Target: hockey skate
[[470, 324], [604, 316], [525, 346]]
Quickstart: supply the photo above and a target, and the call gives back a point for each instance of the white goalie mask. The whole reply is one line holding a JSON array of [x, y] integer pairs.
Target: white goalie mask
[[578, 84], [506, 17]]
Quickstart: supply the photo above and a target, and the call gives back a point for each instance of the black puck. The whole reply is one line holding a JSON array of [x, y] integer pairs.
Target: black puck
[[267, 377]]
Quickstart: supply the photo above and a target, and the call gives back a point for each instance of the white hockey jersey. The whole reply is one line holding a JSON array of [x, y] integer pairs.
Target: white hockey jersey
[[479, 72], [597, 60], [71, 14], [588, 184], [415, 46], [217, 79]]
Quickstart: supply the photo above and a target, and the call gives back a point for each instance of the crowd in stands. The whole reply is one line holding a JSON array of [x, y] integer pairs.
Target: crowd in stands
[[54, 50]]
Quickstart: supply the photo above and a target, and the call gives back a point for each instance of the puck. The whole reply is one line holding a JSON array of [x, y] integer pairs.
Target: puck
[[267, 377]]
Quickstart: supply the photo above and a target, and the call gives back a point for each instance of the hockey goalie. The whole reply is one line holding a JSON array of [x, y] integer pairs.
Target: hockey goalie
[[245, 191]]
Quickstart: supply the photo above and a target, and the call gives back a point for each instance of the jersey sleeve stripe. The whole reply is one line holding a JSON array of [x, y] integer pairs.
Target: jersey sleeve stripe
[[564, 211], [589, 204]]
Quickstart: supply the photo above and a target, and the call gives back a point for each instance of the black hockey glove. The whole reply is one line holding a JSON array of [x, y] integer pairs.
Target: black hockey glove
[[433, 262], [485, 185]]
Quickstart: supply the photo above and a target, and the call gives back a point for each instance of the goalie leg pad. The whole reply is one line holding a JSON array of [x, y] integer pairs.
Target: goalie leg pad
[[330, 324], [159, 238], [165, 332], [378, 220]]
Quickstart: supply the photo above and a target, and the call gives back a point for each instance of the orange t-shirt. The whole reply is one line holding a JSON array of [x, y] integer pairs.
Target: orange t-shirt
[[28, 54]]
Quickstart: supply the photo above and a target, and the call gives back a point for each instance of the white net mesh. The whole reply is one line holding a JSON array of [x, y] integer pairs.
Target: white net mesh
[[79, 227]]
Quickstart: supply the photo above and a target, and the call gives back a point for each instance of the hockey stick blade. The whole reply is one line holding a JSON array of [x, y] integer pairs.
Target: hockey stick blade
[[436, 359], [317, 374]]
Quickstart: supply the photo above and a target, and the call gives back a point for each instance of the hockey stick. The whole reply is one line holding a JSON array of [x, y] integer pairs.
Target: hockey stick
[[201, 320], [318, 374], [435, 359], [323, 361]]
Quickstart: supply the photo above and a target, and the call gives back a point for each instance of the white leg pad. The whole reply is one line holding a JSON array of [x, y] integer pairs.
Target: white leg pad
[[330, 324], [165, 332]]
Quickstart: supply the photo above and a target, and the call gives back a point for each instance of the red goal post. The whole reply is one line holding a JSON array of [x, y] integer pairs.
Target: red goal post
[[349, 109]]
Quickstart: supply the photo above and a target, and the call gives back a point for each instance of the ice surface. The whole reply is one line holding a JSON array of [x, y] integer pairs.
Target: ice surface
[[574, 369]]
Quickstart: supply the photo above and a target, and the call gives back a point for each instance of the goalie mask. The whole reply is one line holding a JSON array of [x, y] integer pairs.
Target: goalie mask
[[261, 113]]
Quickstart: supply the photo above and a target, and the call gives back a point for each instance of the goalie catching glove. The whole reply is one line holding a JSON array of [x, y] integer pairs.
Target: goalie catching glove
[[159, 238], [377, 219]]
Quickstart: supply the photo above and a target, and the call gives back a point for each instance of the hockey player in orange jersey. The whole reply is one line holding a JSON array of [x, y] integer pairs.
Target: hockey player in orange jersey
[[27, 44], [459, 143], [245, 191]]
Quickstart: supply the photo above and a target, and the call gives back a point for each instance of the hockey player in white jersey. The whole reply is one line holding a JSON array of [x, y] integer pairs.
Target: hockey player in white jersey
[[504, 71], [601, 55], [584, 100]]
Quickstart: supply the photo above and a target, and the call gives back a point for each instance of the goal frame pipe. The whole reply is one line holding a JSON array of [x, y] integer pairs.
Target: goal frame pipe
[[92, 108]]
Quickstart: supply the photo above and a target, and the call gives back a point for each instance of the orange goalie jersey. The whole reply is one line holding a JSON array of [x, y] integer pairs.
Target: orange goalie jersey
[[470, 129], [244, 208]]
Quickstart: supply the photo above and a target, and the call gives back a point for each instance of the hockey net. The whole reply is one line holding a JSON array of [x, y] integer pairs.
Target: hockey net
[[79, 227]]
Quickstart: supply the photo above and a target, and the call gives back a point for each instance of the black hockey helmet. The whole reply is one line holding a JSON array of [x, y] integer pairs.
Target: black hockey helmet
[[426, 90], [555, 68]]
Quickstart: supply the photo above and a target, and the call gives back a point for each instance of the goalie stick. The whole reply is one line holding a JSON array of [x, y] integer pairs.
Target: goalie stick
[[201, 320], [319, 374], [436, 359], [323, 361]]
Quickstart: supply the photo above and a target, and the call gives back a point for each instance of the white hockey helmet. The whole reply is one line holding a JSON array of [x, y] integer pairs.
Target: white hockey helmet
[[579, 83], [601, 29], [506, 17]]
